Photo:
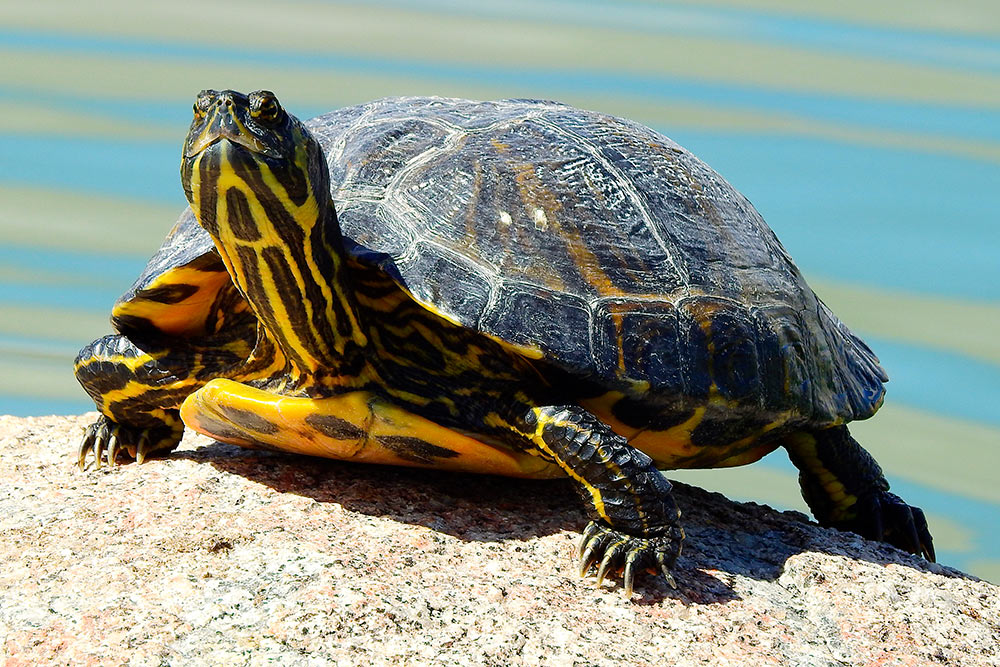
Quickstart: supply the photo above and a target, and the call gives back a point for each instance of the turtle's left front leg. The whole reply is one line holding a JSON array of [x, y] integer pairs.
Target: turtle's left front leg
[[635, 519]]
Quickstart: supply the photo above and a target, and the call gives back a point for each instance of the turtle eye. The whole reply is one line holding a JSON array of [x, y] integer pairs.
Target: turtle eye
[[264, 107], [203, 102]]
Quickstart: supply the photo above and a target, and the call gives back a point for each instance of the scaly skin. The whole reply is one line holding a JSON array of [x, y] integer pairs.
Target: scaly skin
[[635, 519], [845, 489], [138, 391]]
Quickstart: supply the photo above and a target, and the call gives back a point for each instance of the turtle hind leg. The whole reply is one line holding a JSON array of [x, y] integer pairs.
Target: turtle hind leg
[[845, 489]]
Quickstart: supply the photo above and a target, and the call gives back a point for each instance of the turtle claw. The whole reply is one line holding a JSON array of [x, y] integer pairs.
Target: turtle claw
[[108, 440], [669, 578], [588, 551], [611, 561], [112, 450], [628, 577], [923, 534], [87, 445], [142, 448], [613, 551], [884, 517], [101, 440]]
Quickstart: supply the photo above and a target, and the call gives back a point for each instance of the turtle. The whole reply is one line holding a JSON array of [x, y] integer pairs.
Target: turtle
[[514, 287]]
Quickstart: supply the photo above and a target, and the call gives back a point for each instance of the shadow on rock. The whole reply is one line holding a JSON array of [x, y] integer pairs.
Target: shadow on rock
[[470, 507], [724, 538]]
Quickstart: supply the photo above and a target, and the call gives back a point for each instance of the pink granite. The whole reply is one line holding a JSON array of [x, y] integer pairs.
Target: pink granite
[[219, 555]]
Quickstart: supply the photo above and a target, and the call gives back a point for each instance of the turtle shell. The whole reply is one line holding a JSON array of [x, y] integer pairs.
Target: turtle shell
[[588, 241], [596, 243]]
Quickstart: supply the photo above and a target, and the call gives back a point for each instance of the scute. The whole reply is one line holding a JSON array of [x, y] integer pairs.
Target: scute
[[538, 318], [653, 339]]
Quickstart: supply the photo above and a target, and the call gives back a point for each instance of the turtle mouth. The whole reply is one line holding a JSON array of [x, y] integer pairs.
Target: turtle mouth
[[223, 123], [212, 136]]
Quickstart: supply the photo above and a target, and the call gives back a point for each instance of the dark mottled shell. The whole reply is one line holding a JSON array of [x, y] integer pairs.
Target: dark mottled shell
[[619, 255]]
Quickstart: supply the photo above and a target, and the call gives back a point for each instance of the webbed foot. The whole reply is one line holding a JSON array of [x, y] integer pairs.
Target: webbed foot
[[108, 440], [885, 517], [613, 551]]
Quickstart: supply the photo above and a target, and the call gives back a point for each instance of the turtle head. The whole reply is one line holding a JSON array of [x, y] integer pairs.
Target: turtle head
[[232, 135], [258, 182], [255, 121]]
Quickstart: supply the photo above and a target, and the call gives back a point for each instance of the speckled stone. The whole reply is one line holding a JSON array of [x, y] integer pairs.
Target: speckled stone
[[226, 556]]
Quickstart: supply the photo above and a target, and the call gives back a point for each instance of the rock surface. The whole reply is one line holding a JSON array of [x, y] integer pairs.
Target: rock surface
[[220, 555]]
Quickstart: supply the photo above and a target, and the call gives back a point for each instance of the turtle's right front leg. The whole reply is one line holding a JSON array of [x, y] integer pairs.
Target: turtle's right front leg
[[138, 394]]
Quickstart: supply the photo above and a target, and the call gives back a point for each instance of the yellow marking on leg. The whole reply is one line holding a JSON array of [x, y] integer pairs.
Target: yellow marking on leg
[[844, 502], [134, 390], [536, 437], [129, 362]]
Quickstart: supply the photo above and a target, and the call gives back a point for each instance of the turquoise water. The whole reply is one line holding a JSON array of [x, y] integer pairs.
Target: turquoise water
[[871, 147]]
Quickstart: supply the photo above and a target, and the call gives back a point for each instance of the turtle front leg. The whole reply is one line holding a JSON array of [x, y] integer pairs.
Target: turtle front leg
[[635, 519], [137, 395], [845, 489]]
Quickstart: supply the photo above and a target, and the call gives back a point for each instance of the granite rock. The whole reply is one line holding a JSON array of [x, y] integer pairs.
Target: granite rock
[[220, 555]]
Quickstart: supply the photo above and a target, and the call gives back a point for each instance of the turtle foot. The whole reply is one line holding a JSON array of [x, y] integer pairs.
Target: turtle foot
[[884, 517], [613, 551], [108, 440]]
